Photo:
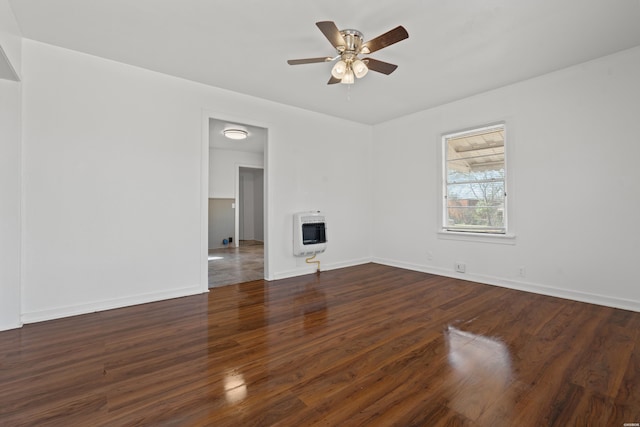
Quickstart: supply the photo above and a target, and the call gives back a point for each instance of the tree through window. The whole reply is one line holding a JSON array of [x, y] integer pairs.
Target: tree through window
[[474, 180]]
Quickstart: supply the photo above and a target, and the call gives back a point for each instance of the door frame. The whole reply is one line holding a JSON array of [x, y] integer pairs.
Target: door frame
[[237, 202], [204, 191]]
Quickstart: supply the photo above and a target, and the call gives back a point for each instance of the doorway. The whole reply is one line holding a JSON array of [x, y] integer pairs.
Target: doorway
[[250, 203], [236, 219]]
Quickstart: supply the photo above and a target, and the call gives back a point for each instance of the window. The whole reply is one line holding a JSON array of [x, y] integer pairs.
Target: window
[[475, 181]]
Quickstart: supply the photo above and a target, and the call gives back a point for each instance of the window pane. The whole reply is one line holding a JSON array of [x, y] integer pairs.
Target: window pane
[[475, 181], [476, 205]]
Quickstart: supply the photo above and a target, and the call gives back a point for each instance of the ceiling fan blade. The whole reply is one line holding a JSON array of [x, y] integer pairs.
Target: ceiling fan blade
[[333, 81], [380, 66], [332, 33], [386, 39], [308, 60]]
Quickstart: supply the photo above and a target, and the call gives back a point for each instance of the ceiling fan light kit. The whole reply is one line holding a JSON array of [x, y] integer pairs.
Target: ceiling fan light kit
[[349, 44], [359, 68], [348, 77], [338, 71]]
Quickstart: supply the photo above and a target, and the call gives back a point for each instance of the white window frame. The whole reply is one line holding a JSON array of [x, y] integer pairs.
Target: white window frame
[[506, 237]]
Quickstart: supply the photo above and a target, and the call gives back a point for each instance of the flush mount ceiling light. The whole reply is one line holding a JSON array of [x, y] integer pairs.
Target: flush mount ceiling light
[[235, 133], [349, 44]]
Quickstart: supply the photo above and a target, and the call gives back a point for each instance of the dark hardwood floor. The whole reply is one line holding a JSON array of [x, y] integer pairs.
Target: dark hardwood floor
[[369, 345], [231, 265]]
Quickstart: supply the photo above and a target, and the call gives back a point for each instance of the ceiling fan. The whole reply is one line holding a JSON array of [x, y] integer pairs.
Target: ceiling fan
[[349, 44]]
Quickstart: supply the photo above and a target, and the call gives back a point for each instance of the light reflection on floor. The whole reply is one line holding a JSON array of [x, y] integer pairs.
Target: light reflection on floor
[[235, 388], [481, 370]]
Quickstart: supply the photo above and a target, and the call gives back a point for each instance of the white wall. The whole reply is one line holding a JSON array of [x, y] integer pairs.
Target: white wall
[[10, 175], [325, 169], [222, 221], [112, 178], [10, 37], [10, 204], [573, 146], [223, 167]]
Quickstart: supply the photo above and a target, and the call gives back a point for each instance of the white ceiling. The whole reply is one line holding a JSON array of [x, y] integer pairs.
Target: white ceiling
[[254, 143], [456, 48]]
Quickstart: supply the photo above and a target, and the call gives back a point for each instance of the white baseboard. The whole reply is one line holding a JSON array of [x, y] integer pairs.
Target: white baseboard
[[323, 267], [9, 326], [519, 285], [92, 307]]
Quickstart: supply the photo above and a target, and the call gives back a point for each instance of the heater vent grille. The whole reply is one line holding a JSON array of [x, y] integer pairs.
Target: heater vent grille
[[309, 233]]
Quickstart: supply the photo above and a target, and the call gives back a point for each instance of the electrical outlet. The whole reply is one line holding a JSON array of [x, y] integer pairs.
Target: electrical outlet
[[522, 272], [460, 267], [429, 255]]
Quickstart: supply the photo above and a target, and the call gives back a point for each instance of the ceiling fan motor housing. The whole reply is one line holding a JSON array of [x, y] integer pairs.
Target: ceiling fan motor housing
[[353, 42]]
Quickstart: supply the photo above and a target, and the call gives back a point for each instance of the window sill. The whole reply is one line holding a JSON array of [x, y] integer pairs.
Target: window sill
[[501, 239]]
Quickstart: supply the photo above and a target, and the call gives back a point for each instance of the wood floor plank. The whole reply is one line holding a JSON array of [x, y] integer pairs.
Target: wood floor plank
[[628, 396], [611, 347], [366, 345]]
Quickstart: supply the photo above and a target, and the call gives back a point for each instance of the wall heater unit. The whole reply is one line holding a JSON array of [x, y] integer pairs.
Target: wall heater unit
[[309, 233]]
